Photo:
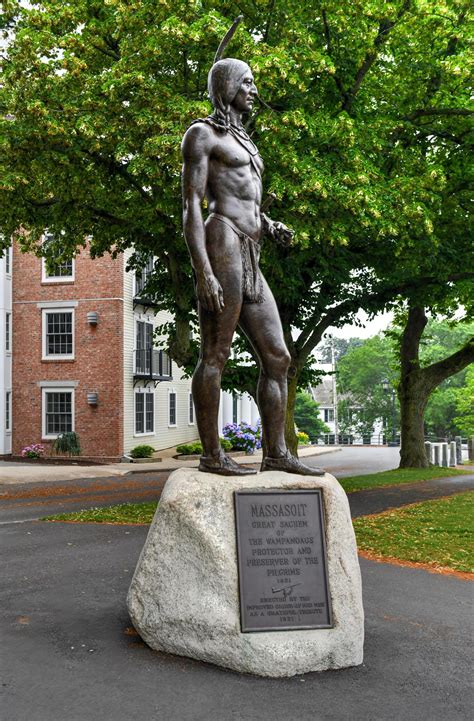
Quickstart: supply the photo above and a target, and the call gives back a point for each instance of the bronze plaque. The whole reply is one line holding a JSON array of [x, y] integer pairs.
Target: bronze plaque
[[283, 580]]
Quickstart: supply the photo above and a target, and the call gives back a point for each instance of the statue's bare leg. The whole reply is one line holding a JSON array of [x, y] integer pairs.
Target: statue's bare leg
[[217, 330], [262, 325]]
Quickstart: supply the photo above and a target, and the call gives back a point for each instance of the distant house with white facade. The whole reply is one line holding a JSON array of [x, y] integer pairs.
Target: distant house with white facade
[[325, 394]]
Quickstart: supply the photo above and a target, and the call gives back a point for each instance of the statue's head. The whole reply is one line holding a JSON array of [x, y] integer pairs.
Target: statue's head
[[224, 82]]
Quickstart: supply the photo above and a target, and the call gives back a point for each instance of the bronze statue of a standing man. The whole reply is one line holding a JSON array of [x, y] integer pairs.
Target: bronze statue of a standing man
[[222, 164]]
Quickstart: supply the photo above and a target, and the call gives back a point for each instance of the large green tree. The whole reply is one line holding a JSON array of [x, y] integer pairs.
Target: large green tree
[[364, 144], [444, 349]]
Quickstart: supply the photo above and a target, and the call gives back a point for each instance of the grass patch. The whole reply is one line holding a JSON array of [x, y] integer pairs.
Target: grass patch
[[397, 477], [124, 513], [439, 532]]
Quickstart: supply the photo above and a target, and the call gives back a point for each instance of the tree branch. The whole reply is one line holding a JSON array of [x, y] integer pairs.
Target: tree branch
[[352, 305], [271, 7], [436, 373], [118, 169], [109, 53], [423, 112], [385, 26], [327, 34]]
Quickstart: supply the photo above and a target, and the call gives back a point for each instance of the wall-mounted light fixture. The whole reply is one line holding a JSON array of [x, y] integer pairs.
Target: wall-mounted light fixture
[[92, 317], [93, 398]]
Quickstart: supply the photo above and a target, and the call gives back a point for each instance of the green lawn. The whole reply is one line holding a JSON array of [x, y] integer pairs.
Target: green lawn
[[440, 533], [124, 513], [396, 477]]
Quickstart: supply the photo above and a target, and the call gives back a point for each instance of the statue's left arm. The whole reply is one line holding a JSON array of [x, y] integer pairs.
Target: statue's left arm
[[276, 231]]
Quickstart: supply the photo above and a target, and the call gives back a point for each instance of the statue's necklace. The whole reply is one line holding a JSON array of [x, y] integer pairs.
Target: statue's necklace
[[244, 139], [247, 143]]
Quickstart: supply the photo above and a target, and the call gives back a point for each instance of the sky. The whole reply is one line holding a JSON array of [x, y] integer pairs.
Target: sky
[[371, 327]]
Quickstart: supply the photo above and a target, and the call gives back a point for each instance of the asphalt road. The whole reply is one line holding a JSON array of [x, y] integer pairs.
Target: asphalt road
[[69, 654]]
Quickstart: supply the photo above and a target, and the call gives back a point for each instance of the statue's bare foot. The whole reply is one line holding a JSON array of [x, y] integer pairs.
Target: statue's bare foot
[[223, 466], [290, 464]]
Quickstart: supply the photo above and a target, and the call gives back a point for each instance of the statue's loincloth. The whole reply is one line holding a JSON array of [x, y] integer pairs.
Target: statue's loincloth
[[252, 285]]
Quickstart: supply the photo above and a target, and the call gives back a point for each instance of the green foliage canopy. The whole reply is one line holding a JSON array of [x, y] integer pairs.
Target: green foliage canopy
[[365, 145], [362, 370]]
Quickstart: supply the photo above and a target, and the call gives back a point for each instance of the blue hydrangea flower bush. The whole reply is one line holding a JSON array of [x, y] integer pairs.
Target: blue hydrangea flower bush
[[243, 436]]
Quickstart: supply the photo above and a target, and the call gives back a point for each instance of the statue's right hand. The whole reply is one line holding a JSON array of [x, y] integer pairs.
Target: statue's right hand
[[210, 293]]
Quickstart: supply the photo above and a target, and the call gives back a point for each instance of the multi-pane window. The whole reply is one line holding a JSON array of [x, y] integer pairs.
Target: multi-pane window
[[61, 270], [58, 412], [149, 412], [139, 413], [144, 346], [191, 409], [8, 330], [8, 260], [172, 408], [142, 275], [235, 408], [328, 415], [144, 412], [8, 397], [59, 335]]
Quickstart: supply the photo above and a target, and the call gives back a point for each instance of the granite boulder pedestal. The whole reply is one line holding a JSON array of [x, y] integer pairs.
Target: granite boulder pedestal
[[184, 596]]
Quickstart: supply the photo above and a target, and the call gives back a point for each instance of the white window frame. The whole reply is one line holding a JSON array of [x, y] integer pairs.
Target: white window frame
[[327, 412], [8, 411], [8, 332], [55, 389], [8, 260], [172, 391], [136, 433], [145, 271], [191, 405], [45, 278], [62, 356]]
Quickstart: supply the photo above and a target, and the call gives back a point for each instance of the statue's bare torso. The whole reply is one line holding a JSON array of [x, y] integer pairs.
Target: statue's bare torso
[[234, 187]]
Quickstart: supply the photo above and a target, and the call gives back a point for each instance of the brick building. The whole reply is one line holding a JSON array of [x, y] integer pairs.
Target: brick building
[[84, 361]]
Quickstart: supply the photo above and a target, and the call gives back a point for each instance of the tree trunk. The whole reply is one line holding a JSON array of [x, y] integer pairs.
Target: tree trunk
[[413, 394], [412, 397], [417, 384], [290, 435]]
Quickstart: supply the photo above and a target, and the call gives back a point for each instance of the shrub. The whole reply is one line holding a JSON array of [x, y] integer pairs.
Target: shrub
[[189, 449], [243, 436], [195, 448], [35, 450], [68, 443], [303, 438], [142, 451]]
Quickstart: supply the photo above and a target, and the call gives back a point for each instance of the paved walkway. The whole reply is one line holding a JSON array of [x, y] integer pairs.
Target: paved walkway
[[30, 502], [17, 472]]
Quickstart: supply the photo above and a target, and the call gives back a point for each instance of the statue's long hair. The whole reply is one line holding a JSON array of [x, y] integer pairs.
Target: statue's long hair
[[223, 83]]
